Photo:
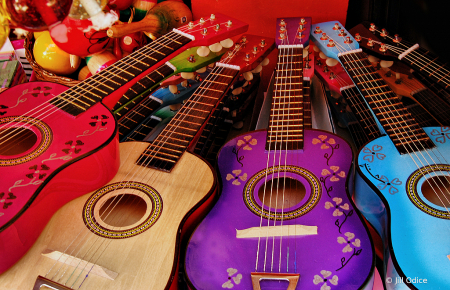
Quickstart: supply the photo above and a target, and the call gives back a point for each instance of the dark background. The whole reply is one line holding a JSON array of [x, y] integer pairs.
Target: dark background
[[418, 21]]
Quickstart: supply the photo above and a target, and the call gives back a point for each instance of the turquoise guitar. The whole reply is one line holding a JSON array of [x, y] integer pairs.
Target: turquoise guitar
[[402, 181]]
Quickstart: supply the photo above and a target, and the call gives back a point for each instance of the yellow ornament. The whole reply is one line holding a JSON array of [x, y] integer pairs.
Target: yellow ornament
[[52, 58], [4, 27]]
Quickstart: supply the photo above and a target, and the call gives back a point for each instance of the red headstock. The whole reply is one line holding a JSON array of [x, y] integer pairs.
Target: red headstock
[[207, 31], [371, 42], [248, 52], [293, 30]]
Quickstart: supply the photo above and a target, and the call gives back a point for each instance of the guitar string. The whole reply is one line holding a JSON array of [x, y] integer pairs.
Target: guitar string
[[160, 147], [97, 237], [143, 51], [413, 151], [440, 181], [51, 109], [417, 55], [69, 245]]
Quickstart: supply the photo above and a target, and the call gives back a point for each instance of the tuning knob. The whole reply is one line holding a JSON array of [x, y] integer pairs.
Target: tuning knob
[[331, 62], [342, 33], [282, 23], [317, 30], [386, 63], [383, 47], [248, 76], [265, 62], [348, 40], [203, 51], [257, 69], [373, 59], [191, 25], [213, 17], [372, 27], [384, 33], [302, 21], [217, 27], [305, 54], [357, 37], [216, 47], [370, 42], [174, 89], [229, 23], [202, 20], [322, 55], [227, 43], [237, 91], [185, 84], [201, 70], [397, 39], [331, 43], [336, 26], [324, 36], [188, 75]]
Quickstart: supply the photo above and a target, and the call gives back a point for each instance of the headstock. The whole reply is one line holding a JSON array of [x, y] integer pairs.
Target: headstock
[[190, 60], [216, 28], [293, 30], [331, 72], [371, 42], [332, 39], [248, 52]]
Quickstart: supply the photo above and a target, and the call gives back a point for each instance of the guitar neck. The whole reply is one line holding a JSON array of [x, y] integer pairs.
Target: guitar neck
[[433, 87], [402, 128], [164, 152], [421, 115], [81, 97], [435, 105], [362, 113], [287, 112]]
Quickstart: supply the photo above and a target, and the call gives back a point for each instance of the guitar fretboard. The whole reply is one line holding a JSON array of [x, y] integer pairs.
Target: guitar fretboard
[[136, 93], [286, 125], [81, 97], [402, 128], [164, 152], [362, 113]]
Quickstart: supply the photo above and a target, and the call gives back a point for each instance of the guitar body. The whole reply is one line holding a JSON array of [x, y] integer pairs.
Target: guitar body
[[62, 158], [389, 193], [341, 253], [144, 261]]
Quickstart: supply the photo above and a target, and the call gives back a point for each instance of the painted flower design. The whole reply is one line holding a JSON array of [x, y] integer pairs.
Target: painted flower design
[[5, 200], [322, 139], [100, 120], [38, 172], [337, 206], [318, 280], [348, 241], [385, 183], [235, 175], [41, 91], [333, 173], [73, 145], [231, 278], [248, 142], [441, 136], [372, 153]]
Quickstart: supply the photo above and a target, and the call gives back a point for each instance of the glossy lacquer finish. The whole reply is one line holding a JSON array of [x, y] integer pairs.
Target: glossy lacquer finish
[[69, 157], [416, 230], [340, 255]]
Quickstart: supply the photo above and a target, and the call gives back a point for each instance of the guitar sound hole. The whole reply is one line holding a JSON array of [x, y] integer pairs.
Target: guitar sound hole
[[294, 192], [436, 190], [14, 141], [123, 210]]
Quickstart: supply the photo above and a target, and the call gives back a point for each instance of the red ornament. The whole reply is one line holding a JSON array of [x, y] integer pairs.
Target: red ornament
[[75, 36], [132, 41], [37, 15]]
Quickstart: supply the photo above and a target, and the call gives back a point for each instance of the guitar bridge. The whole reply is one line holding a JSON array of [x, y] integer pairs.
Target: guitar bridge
[[258, 277], [44, 283]]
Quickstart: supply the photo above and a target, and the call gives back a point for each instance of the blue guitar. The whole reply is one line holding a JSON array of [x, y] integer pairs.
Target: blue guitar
[[402, 185]]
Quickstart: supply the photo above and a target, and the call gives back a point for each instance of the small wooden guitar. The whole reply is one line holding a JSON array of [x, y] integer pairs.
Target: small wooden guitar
[[126, 234], [284, 218], [402, 182], [45, 127]]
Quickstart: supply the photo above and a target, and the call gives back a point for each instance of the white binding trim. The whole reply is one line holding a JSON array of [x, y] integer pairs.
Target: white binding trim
[[191, 37], [406, 52], [171, 66], [306, 78], [418, 90], [155, 117], [290, 46], [350, 51], [155, 98], [346, 87], [236, 67]]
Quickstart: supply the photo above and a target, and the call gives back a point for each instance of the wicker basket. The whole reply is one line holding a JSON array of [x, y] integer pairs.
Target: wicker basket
[[41, 73]]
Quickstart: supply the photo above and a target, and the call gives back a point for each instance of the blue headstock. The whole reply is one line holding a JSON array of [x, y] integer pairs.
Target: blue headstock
[[332, 38], [293, 30]]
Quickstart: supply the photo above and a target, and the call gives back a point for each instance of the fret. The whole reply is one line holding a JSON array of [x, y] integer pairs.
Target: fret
[[182, 127], [359, 67], [167, 148], [289, 77], [171, 39], [215, 82], [288, 96], [146, 56], [289, 114], [377, 88], [143, 161], [222, 75], [290, 69], [430, 62], [286, 90], [159, 152]]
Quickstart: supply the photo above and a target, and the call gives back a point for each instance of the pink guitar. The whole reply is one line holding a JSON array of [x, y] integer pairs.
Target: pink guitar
[[57, 143]]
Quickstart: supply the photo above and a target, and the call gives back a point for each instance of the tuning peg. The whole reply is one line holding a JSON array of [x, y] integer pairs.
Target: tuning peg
[[331, 62], [305, 52], [211, 64], [237, 91], [372, 58], [203, 51], [265, 62], [248, 76], [216, 47], [187, 75], [201, 70], [227, 43], [245, 84], [316, 48], [175, 107], [322, 55], [185, 84], [173, 89], [386, 63], [257, 69]]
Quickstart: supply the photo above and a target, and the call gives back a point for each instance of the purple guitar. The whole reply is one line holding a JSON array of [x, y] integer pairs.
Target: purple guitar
[[284, 219]]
